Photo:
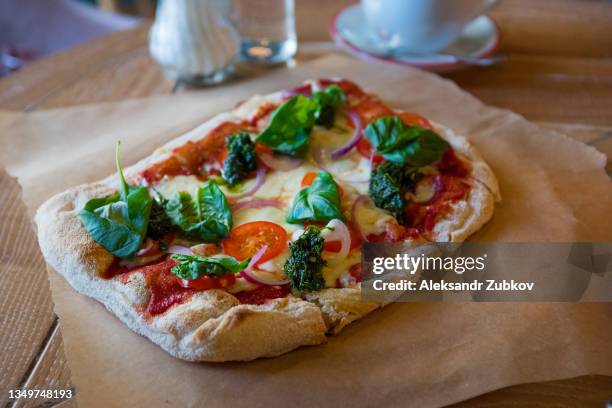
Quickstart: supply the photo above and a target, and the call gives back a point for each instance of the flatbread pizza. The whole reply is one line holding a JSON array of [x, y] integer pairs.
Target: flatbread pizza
[[241, 239]]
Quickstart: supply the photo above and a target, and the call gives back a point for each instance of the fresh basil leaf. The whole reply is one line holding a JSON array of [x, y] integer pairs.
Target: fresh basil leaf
[[317, 202], [206, 217], [119, 222], [328, 100], [410, 145], [333, 96], [305, 263], [194, 266], [290, 126], [109, 226]]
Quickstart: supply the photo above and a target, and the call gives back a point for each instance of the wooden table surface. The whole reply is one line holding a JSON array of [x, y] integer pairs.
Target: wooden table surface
[[558, 73]]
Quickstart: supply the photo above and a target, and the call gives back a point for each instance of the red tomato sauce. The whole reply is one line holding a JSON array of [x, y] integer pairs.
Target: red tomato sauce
[[350, 89], [164, 287], [262, 294], [189, 158], [450, 164], [355, 274], [448, 189], [116, 269], [262, 112], [371, 109]]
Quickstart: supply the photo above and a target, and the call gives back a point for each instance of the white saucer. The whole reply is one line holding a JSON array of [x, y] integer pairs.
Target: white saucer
[[479, 38]]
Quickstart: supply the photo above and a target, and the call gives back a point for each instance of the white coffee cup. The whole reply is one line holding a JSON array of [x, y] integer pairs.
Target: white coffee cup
[[420, 26]]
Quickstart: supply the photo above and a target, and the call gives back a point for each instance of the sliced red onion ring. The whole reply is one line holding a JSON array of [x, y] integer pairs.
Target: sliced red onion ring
[[320, 156], [305, 89], [339, 232], [256, 203], [179, 250], [256, 258], [279, 162], [359, 201], [250, 275], [148, 247], [355, 138], [260, 177]]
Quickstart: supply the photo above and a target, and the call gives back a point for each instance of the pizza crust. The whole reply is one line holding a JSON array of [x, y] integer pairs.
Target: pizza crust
[[213, 325], [468, 216]]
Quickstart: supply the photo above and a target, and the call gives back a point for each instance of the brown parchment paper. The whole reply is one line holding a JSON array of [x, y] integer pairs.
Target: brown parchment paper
[[554, 189]]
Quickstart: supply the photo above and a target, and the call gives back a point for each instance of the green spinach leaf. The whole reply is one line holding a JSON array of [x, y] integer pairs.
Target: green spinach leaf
[[410, 145], [317, 202], [194, 266], [119, 222], [206, 217]]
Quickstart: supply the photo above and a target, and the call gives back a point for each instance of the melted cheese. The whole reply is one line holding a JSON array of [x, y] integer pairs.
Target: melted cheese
[[332, 272], [423, 192], [168, 187], [372, 219], [352, 168]]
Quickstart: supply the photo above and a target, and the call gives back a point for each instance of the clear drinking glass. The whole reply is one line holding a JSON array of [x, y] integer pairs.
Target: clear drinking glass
[[266, 29]]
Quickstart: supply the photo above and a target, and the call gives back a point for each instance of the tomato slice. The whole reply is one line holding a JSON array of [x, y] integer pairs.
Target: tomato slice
[[364, 147], [204, 282], [415, 119], [372, 109], [308, 178], [226, 280], [245, 240], [335, 246]]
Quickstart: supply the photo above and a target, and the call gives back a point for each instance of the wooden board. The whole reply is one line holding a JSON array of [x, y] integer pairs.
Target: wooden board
[[30, 347], [51, 371]]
